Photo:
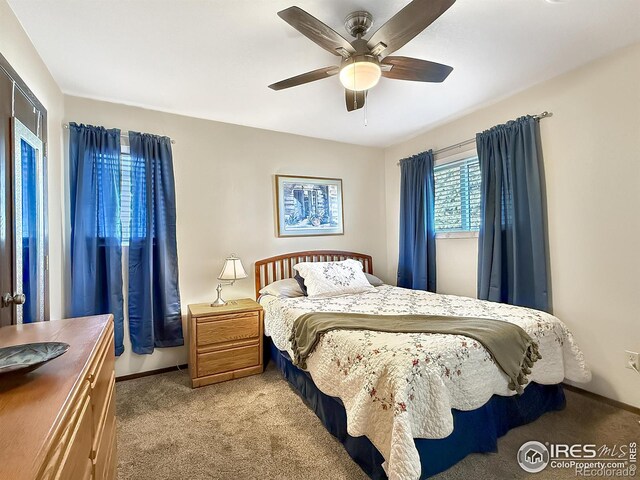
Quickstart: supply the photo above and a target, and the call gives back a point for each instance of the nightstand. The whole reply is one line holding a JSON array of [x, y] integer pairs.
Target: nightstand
[[224, 342]]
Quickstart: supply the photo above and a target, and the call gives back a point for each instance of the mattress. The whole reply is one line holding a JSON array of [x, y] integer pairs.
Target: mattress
[[397, 387]]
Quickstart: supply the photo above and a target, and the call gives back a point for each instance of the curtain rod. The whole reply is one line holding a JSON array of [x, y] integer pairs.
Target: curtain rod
[[540, 116], [124, 134]]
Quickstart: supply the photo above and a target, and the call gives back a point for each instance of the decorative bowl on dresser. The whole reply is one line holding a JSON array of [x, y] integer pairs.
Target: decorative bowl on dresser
[[58, 422], [29, 356], [225, 342]]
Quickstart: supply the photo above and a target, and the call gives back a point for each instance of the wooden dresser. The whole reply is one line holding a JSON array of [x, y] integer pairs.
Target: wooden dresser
[[58, 422], [225, 342]]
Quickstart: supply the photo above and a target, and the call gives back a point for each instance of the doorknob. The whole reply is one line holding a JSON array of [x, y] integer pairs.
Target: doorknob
[[15, 299]]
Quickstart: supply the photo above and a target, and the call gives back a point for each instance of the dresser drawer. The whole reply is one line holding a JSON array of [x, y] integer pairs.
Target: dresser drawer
[[227, 360], [108, 412], [106, 447], [102, 379], [77, 462], [72, 454], [227, 328], [68, 457], [110, 467]]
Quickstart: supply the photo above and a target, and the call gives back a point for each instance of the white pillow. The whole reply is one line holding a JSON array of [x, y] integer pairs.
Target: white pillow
[[286, 288], [329, 279]]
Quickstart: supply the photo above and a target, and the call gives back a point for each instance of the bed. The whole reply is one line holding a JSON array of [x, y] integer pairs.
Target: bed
[[410, 405]]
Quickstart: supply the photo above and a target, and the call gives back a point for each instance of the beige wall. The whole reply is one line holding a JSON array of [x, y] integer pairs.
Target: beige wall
[[591, 151], [16, 47], [456, 265], [225, 198]]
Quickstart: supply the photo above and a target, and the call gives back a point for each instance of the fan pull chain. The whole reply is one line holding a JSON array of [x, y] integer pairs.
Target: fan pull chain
[[355, 92], [366, 103]]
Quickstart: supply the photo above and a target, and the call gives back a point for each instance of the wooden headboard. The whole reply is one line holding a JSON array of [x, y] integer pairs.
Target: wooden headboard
[[275, 268]]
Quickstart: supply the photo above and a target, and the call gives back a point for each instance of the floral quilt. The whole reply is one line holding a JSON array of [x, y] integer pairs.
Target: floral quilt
[[397, 387]]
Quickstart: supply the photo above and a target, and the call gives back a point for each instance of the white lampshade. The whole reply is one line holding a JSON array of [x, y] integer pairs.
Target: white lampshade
[[361, 74], [233, 269]]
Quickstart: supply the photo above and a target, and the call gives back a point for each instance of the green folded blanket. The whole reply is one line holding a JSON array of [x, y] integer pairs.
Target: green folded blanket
[[513, 350]]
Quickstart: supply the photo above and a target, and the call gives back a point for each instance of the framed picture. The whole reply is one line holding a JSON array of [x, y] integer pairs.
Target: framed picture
[[309, 206]]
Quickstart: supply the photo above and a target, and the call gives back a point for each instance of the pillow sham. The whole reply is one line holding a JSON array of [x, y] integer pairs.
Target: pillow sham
[[373, 280], [286, 288], [329, 279]]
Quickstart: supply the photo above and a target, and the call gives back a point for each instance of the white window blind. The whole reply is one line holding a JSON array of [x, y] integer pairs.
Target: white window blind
[[131, 174], [125, 196], [457, 196]]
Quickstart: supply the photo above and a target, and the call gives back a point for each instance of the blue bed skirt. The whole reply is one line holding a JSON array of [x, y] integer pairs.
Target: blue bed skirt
[[475, 431]]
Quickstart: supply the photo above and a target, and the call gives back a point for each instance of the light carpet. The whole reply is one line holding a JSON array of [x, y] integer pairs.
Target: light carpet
[[259, 428]]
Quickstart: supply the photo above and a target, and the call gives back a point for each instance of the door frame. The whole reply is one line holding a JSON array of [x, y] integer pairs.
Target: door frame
[[41, 133]]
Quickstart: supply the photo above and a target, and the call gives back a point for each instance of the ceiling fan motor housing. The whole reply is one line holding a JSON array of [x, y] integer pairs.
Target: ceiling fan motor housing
[[358, 23], [360, 72]]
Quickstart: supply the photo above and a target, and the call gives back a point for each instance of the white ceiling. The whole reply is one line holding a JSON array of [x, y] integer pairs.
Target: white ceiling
[[214, 58]]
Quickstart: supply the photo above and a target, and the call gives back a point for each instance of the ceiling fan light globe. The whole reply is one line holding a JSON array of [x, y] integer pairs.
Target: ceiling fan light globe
[[360, 75]]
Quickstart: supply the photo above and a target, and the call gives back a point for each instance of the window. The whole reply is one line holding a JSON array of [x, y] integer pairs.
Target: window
[[106, 169], [125, 195], [457, 196], [133, 225], [129, 218]]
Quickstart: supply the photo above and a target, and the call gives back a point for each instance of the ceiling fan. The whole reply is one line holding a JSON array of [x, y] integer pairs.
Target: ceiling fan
[[365, 61]]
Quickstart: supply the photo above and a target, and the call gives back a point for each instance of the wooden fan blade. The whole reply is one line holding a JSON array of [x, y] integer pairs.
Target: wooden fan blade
[[406, 24], [407, 68], [354, 100], [303, 78], [316, 31]]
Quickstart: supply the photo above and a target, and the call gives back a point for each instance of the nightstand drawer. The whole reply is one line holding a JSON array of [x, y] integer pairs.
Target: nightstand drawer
[[228, 328], [227, 360]]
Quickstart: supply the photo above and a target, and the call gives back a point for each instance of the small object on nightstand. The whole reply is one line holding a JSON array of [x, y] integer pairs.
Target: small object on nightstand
[[231, 271], [225, 342]]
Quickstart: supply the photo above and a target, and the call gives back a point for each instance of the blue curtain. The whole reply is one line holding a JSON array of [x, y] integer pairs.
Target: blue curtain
[[417, 254], [512, 262], [96, 252], [154, 295]]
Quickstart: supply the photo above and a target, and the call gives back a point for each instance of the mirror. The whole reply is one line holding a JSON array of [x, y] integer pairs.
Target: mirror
[[29, 228]]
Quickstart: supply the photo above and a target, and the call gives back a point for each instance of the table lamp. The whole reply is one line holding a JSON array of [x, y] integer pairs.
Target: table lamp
[[231, 271]]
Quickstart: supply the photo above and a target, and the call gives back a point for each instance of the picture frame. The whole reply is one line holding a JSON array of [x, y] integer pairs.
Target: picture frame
[[309, 206]]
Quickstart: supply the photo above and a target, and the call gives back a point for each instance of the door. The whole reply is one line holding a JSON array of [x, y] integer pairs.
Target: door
[[23, 205], [6, 215]]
